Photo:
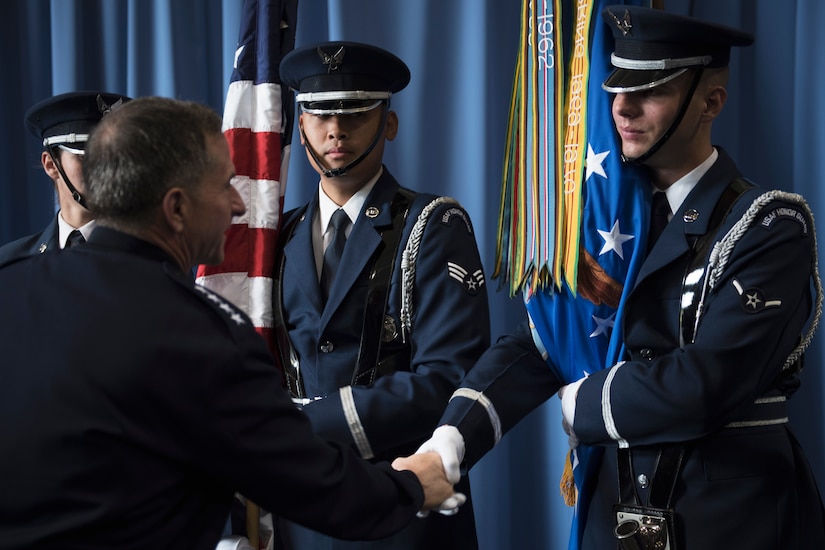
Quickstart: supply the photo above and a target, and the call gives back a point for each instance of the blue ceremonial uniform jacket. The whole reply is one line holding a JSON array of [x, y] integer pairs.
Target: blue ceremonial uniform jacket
[[46, 240], [740, 487], [148, 403], [392, 415]]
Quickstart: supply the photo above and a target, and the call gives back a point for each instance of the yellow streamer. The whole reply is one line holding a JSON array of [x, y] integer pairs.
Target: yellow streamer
[[573, 154]]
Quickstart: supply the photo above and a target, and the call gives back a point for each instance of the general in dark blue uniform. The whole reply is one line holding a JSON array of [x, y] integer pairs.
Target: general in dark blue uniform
[[134, 403]]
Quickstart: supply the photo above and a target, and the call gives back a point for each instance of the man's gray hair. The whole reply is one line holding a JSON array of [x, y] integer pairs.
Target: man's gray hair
[[143, 149]]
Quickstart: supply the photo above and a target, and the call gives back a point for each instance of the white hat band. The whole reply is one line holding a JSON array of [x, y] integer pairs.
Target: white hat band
[[311, 97], [658, 64], [65, 138]]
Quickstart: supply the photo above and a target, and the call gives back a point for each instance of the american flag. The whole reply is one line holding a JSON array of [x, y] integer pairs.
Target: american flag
[[257, 122]]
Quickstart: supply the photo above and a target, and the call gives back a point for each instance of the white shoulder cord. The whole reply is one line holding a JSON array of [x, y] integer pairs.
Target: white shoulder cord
[[408, 259], [721, 253]]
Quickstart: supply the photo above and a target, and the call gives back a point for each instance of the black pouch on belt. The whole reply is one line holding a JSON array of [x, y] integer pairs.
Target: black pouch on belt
[[651, 526]]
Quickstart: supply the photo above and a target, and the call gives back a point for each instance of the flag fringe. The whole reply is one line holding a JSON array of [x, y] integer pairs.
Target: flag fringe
[[567, 485]]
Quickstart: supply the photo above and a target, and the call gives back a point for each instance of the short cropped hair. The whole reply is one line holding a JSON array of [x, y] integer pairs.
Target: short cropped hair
[[140, 151]]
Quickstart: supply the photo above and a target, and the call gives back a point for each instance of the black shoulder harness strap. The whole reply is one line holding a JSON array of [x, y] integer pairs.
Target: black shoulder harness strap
[[695, 273], [372, 331], [368, 362], [284, 352]]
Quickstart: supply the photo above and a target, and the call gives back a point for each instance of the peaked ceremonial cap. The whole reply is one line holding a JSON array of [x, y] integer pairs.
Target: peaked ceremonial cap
[[654, 46], [343, 77], [67, 119]]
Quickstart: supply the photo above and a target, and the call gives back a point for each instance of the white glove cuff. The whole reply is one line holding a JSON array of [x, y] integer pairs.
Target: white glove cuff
[[448, 442], [568, 401]]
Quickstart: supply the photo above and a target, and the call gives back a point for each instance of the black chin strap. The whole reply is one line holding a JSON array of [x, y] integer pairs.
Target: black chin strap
[[638, 161], [72, 189], [334, 172]]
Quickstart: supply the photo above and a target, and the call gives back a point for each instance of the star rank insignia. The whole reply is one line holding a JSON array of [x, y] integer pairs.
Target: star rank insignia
[[222, 304], [753, 300], [622, 24], [472, 282]]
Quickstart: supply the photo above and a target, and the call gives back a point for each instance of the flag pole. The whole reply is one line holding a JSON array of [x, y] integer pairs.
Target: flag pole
[[253, 523]]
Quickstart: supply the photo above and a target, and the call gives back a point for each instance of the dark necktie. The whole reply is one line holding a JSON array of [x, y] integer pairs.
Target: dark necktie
[[332, 255], [659, 213], [75, 238]]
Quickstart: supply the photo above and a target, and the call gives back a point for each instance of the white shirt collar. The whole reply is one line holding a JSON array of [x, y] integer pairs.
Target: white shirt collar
[[680, 189], [352, 207], [63, 230]]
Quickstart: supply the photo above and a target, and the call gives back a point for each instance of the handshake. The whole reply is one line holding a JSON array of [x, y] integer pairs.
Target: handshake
[[437, 465]]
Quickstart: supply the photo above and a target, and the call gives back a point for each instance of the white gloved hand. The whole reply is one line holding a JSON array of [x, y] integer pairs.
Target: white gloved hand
[[572, 440], [448, 442], [568, 394], [447, 508], [450, 506]]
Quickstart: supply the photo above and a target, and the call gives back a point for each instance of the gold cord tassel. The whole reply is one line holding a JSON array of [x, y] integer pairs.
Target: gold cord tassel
[[567, 485]]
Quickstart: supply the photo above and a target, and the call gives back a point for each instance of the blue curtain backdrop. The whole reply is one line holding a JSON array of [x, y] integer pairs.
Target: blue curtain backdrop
[[452, 128]]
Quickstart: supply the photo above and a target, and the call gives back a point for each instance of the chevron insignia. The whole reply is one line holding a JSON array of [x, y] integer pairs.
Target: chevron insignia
[[472, 282]]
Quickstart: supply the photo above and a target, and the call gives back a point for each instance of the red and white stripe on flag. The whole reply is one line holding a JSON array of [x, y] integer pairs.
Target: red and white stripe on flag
[[255, 125]]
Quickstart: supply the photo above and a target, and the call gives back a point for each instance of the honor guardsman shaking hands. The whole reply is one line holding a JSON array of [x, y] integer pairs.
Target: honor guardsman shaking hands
[[698, 450]]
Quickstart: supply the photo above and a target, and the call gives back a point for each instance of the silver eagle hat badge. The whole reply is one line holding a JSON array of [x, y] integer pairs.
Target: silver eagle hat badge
[[624, 23], [334, 61]]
